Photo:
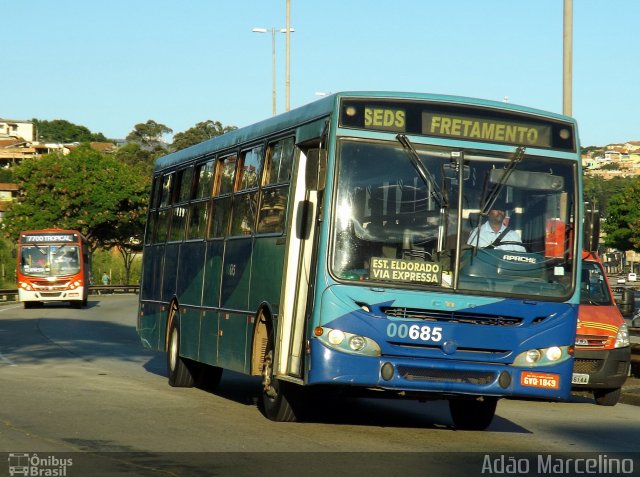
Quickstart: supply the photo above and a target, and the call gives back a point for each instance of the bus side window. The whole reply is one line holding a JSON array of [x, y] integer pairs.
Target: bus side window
[[153, 213], [199, 209], [225, 173], [179, 211], [162, 225], [245, 200], [275, 187]]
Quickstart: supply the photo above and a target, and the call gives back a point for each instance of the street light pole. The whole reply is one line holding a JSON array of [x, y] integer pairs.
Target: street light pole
[[273, 62], [273, 65]]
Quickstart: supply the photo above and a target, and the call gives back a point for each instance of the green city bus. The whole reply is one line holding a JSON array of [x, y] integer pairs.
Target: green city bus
[[327, 249]]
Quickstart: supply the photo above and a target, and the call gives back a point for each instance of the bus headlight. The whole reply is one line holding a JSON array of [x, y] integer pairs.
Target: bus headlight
[[25, 286], [542, 357], [74, 285], [335, 337], [347, 342], [554, 353], [533, 356], [357, 343], [622, 338]]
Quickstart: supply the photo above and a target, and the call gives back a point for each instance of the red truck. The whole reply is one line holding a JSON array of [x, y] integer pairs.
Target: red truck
[[603, 350]]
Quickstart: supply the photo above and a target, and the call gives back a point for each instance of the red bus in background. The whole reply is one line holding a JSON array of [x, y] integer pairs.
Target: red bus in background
[[53, 265]]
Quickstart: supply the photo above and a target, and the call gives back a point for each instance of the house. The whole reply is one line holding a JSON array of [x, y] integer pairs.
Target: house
[[8, 193], [16, 129]]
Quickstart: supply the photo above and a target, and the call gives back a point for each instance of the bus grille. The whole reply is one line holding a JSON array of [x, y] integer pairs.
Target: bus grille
[[412, 373], [586, 365], [452, 316]]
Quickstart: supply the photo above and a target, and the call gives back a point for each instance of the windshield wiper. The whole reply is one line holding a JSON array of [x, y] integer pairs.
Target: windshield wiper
[[497, 189], [422, 171]]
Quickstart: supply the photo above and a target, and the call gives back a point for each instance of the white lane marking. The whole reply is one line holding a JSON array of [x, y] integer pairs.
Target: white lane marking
[[5, 308], [3, 357]]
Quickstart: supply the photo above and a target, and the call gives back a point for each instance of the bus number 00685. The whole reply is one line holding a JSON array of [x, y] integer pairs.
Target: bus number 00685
[[414, 332]]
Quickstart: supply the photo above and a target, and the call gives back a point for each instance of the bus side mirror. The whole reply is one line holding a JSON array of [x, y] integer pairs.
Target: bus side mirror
[[591, 237], [14, 253], [316, 169]]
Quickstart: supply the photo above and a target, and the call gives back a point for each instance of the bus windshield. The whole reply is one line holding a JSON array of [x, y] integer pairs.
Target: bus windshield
[[401, 224], [49, 260]]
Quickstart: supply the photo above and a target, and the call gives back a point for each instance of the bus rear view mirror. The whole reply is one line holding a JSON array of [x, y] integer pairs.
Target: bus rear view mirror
[[316, 169], [528, 180]]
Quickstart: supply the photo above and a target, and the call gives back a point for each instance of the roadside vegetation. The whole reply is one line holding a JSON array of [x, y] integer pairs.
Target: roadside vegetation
[[102, 195]]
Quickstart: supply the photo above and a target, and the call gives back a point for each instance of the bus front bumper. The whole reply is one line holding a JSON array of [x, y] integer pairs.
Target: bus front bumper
[[438, 376], [50, 295]]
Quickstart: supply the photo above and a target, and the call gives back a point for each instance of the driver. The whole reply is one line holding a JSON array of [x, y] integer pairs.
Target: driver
[[494, 233]]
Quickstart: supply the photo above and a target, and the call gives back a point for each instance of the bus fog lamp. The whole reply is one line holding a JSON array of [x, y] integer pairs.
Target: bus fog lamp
[[386, 371], [335, 337], [504, 380], [357, 343], [554, 353], [533, 356]]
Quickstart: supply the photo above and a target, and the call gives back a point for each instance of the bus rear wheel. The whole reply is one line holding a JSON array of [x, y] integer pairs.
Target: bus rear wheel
[[180, 373], [472, 415]]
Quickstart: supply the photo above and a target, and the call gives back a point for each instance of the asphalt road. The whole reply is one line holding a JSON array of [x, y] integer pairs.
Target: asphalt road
[[77, 383]]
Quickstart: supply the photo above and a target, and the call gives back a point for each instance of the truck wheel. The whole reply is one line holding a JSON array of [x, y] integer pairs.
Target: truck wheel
[[606, 397]]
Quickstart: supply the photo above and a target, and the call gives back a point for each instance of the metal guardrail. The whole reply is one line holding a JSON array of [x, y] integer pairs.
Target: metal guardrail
[[11, 294]]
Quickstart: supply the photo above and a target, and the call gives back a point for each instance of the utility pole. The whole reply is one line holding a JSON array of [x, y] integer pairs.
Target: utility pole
[[567, 73]]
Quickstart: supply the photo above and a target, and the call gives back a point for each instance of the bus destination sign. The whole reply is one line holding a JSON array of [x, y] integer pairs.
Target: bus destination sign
[[48, 238], [454, 121], [486, 130]]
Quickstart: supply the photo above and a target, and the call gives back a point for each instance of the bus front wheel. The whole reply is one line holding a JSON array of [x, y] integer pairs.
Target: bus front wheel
[[472, 415], [180, 374], [276, 395]]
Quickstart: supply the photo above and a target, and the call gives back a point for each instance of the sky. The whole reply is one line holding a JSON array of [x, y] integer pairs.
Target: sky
[[111, 64]]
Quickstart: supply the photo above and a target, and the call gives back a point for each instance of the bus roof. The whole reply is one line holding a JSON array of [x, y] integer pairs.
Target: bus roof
[[321, 108]]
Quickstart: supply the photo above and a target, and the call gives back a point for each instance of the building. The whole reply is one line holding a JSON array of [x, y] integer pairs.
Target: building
[[16, 129], [8, 193]]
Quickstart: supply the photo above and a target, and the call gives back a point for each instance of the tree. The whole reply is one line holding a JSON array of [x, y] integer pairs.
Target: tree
[[149, 135], [599, 191], [105, 199], [133, 155], [622, 224], [62, 131], [200, 132]]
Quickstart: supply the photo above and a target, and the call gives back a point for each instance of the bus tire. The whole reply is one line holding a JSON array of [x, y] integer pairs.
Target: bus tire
[[276, 399], [178, 368], [606, 397], [472, 415]]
